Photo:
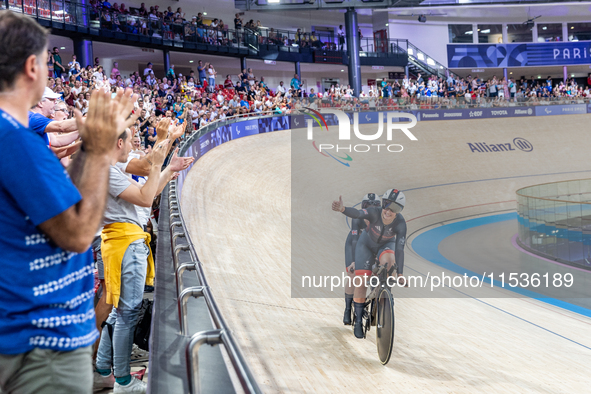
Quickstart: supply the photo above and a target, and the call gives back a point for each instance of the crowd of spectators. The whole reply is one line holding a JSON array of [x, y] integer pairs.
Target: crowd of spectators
[[454, 91], [200, 98], [176, 25], [101, 193]]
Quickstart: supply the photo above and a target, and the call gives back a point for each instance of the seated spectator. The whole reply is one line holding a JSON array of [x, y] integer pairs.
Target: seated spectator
[[314, 41], [228, 82]]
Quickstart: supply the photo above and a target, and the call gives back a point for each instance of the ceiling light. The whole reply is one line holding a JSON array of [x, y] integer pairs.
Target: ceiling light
[[273, 1], [410, 51], [545, 28], [430, 62], [420, 56], [190, 61], [486, 31], [572, 27], [539, 76], [478, 29], [469, 32], [511, 72], [62, 47], [572, 75], [342, 71], [205, 13], [386, 24]]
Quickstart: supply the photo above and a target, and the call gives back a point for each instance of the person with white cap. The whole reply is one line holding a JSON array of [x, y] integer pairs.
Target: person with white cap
[[40, 122]]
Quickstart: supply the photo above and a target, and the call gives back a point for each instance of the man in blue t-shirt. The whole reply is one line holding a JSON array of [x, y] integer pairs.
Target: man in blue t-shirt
[[244, 103], [47, 224]]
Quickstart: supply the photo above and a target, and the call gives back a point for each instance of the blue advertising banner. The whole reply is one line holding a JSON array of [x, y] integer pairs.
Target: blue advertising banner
[[500, 112], [220, 136], [369, 117], [297, 122], [519, 55], [442, 114], [243, 129], [204, 144], [275, 123], [474, 113], [561, 109]]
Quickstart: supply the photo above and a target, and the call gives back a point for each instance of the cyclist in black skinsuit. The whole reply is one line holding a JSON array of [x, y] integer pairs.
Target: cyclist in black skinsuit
[[357, 226], [384, 238]]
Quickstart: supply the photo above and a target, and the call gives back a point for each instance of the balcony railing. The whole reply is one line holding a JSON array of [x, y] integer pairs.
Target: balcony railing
[[108, 20]]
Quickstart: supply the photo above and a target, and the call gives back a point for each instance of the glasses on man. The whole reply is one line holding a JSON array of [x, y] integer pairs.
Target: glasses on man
[[391, 205]]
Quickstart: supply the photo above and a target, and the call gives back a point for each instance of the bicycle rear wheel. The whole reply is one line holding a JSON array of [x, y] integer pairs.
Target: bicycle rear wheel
[[385, 325]]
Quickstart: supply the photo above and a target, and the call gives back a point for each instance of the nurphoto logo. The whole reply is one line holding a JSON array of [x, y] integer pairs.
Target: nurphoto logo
[[344, 124]]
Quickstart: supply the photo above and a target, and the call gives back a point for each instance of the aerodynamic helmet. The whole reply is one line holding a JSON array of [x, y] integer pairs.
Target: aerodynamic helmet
[[370, 200], [394, 200]]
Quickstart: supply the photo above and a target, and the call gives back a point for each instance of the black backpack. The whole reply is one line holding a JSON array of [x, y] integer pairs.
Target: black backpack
[[141, 337]]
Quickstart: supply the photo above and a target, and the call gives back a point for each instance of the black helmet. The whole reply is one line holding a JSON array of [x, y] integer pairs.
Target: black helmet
[[370, 200]]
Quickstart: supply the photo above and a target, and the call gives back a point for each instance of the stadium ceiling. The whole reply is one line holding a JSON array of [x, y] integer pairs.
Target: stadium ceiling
[[298, 5]]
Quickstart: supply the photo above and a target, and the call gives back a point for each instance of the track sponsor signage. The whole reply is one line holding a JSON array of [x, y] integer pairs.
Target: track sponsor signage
[[518, 144], [443, 114], [275, 123], [570, 109], [500, 112], [243, 129], [518, 55], [204, 143], [220, 136]]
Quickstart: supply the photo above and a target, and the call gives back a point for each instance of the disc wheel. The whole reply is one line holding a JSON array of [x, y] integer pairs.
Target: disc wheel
[[385, 325]]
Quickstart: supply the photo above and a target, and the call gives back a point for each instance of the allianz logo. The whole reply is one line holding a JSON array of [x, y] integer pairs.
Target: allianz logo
[[528, 111], [520, 143]]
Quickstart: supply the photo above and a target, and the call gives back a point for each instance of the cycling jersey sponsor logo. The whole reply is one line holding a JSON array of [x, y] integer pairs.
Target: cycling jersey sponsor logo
[[518, 144]]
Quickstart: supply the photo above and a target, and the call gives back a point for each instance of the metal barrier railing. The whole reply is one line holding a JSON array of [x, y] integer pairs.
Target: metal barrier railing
[[221, 334]]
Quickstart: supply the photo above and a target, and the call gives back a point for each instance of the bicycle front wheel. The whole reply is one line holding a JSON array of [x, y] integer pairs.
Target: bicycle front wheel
[[385, 325]]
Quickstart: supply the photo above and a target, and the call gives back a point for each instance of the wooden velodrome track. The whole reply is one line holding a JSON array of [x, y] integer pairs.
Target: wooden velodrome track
[[258, 210]]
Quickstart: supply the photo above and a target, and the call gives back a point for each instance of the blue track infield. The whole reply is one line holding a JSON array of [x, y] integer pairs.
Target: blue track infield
[[426, 245]]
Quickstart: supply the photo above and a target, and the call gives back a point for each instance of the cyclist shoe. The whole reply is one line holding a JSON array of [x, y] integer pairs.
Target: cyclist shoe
[[347, 317], [358, 329], [136, 386]]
